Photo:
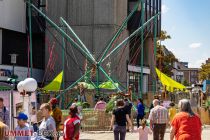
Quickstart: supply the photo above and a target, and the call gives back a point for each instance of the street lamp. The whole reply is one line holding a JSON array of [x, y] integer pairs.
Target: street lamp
[[13, 62], [27, 87], [13, 81]]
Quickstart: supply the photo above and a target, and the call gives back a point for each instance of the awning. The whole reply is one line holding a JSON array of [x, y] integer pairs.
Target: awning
[[55, 85], [5, 86], [169, 82]]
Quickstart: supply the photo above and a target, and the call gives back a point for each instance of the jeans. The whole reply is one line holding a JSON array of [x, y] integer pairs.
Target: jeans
[[139, 117], [35, 127], [119, 132]]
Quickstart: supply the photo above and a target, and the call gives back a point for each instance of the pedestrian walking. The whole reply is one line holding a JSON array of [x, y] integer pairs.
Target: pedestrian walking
[[151, 105], [144, 130], [79, 107], [47, 128], [171, 111], [140, 111], [128, 107], [158, 120], [100, 105], [4, 112], [186, 125], [71, 125], [118, 121]]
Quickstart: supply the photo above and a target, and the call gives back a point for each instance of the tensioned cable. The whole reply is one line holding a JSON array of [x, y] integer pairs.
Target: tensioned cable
[[60, 44], [137, 51], [131, 20]]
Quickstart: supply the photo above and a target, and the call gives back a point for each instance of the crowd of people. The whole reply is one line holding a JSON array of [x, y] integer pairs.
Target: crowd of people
[[47, 129], [184, 125]]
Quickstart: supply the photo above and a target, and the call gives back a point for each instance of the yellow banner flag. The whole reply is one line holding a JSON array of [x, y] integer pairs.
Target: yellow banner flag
[[55, 85], [169, 82]]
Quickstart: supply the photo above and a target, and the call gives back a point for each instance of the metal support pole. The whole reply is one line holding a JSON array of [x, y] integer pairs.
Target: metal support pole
[[127, 39], [63, 63], [13, 69], [142, 46], [73, 43], [63, 66], [72, 85], [109, 77], [119, 32], [75, 35], [97, 78], [30, 40], [12, 107], [29, 108], [155, 51]]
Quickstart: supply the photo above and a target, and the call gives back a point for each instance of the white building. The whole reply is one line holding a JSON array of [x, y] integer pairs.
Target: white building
[[14, 40]]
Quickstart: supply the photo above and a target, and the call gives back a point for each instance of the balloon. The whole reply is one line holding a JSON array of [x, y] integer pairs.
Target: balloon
[[30, 85], [20, 86]]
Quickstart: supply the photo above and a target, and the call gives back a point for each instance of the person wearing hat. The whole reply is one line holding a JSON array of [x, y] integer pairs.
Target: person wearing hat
[[56, 112], [23, 130]]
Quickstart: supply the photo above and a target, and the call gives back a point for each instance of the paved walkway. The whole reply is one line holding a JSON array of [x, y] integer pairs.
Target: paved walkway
[[130, 136]]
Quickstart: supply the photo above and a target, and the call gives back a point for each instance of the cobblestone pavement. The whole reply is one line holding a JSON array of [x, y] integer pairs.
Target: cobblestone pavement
[[99, 135]]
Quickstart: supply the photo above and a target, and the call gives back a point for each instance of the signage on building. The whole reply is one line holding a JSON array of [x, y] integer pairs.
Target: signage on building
[[138, 69], [21, 72]]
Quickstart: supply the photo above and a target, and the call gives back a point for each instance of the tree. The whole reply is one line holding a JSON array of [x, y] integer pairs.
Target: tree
[[204, 73], [185, 83], [164, 36], [164, 57]]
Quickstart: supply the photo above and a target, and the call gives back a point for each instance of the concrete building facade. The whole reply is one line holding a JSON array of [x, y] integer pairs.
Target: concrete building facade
[[182, 73], [95, 22]]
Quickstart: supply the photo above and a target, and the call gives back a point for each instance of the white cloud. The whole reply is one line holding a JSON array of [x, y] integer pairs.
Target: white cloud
[[195, 45], [164, 9], [196, 64]]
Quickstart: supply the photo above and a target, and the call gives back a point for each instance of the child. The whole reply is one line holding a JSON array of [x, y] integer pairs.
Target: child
[[172, 111], [144, 130], [23, 130]]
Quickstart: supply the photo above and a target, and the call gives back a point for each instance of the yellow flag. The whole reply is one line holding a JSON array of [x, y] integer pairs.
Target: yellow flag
[[169, 82], [55, 84]]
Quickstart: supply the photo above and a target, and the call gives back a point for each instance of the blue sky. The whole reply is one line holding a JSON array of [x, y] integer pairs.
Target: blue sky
[[188, 24]]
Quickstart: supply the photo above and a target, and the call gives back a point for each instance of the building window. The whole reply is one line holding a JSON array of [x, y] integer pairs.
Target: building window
[[134, 82]]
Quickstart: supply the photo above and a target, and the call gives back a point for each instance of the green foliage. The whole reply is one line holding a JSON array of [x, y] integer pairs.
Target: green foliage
[[164, 57], [185, 83], [204, 73], [85, 105], [164, 36], [111, 104]]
